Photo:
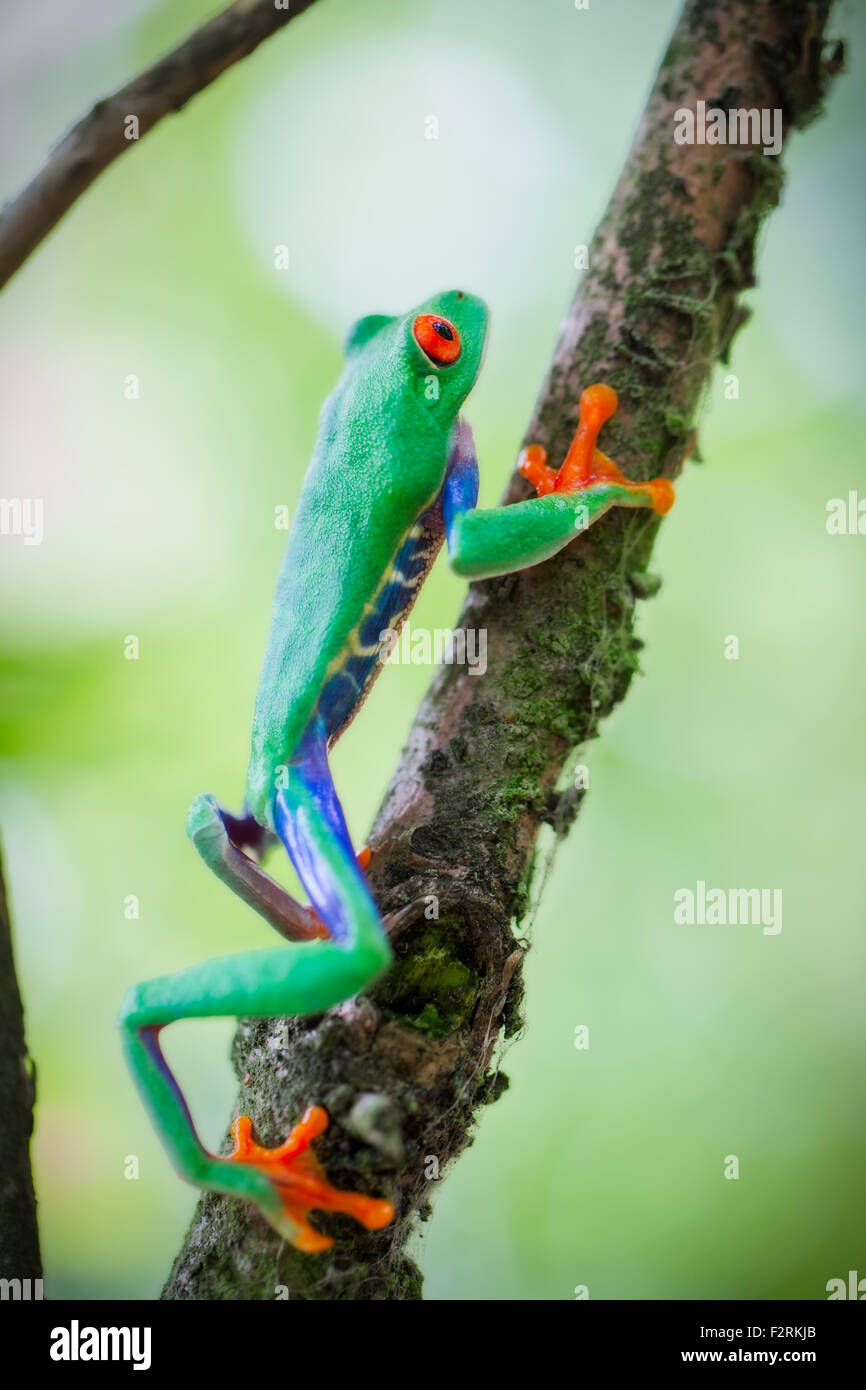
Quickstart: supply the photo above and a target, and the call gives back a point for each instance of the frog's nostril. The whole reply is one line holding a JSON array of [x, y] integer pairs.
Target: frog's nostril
[[459, 294]]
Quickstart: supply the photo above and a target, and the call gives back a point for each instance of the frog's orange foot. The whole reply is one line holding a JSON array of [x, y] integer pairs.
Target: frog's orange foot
[[301, 1184], [585, 465]]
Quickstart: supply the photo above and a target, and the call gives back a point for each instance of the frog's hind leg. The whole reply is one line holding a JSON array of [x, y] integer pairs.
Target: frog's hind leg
[[285, 1183], [221, 839], [306, 978], [310, 822]]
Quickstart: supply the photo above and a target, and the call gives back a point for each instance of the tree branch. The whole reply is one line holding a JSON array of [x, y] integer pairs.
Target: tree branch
[[19, 1236], [404, 1071], [100, 136]]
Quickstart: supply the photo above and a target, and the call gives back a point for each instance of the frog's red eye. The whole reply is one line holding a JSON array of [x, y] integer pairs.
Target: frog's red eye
[[439, 338]]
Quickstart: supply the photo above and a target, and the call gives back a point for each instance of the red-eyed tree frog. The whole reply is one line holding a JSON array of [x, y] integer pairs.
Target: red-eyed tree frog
[[393, 475]]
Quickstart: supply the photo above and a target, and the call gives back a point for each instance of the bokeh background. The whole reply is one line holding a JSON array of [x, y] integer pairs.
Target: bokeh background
[[601, 1167]]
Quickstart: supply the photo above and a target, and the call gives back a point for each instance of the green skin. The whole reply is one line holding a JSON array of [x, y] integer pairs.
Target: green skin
[[384, 457]]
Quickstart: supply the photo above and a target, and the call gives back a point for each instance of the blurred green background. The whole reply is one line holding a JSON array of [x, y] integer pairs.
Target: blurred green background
[[601, 1167]]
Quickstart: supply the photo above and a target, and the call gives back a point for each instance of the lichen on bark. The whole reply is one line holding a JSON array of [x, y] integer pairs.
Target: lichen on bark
[[405, 1071]]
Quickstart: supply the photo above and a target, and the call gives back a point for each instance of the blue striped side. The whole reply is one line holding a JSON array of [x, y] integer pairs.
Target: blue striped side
[[359, 663]]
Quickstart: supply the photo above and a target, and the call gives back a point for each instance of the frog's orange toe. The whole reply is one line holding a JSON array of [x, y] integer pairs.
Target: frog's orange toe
[[301, 1183], [532, 464], [597, 404], [662, 493], [301, 1234]]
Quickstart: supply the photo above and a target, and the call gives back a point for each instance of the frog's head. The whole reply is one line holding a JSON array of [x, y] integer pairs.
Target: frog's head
[[445, 341], [437, 348]]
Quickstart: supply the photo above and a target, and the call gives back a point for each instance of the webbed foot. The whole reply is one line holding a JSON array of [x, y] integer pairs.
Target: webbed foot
[[585, 466], [300, 1184]]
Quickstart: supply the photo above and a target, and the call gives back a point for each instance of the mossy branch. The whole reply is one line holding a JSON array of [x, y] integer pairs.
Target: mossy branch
[[404, 1072]]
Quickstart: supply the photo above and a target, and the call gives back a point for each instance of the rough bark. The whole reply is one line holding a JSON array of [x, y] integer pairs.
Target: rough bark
[[19, 1237], [405, 1071], [100, 136]]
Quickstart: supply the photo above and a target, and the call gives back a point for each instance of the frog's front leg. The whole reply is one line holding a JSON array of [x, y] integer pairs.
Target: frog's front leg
[[484, 543], [287, 1182]]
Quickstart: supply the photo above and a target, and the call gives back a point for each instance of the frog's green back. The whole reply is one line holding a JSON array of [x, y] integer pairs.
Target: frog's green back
[[378, 465]]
